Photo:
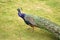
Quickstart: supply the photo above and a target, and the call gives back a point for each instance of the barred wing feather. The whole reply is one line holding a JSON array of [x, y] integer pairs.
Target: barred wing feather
[[30, 19]]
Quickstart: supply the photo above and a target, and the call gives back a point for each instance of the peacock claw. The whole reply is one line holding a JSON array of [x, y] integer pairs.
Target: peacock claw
[[28, 28]]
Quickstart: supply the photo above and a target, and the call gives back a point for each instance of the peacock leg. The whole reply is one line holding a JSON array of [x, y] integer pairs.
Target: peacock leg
[[28, 28], [33, 29]]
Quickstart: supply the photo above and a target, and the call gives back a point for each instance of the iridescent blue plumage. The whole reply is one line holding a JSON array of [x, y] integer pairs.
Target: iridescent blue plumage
[[22, 15], [40, 22]]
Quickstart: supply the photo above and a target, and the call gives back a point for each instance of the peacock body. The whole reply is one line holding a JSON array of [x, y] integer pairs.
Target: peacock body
[[40, 23]]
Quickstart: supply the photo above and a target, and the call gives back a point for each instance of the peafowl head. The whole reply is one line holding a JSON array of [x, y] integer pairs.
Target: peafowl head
[[22, 15]]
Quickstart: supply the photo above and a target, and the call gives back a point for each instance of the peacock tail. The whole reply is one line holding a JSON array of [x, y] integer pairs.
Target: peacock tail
[[44, 24], [40, 22]]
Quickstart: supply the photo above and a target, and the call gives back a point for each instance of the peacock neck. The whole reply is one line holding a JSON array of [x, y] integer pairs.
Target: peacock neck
[[22, 15]]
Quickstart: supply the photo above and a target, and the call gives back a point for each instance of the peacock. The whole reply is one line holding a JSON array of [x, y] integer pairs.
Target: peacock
[[40, 22]]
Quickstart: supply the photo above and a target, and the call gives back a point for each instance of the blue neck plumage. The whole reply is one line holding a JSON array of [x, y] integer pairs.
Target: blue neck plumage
[[22, 15]]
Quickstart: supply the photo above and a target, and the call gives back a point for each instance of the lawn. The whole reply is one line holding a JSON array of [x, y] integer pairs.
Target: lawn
[[12, 27]]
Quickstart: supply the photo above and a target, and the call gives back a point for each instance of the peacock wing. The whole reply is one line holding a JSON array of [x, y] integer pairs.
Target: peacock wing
[[30, 19]]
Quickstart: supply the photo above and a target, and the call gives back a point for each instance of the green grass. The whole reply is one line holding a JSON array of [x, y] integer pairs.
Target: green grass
[[13, 27]]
